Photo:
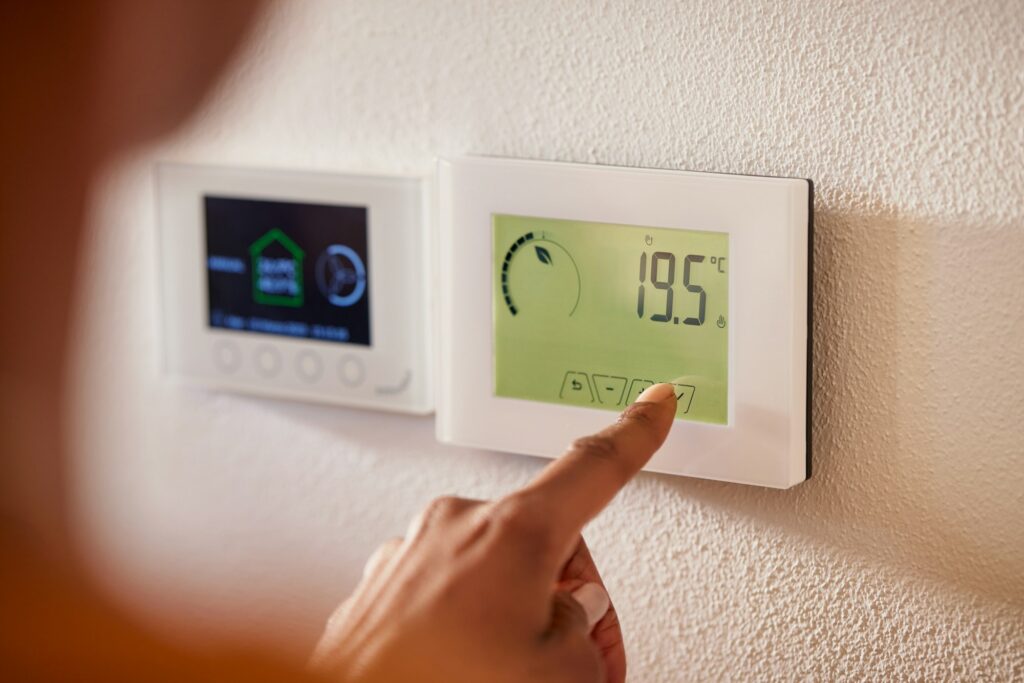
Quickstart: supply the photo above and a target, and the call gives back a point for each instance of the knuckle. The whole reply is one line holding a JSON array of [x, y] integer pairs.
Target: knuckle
[[389, 546], [595, 445], [383, 553], [443, 507], [438, 511], [517, 518]]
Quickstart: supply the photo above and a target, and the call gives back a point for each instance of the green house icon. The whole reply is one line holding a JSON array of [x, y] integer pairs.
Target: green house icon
[[277, 270]]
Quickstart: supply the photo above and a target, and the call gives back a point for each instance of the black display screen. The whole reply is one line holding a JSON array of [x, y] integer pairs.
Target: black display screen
[[288, 268]]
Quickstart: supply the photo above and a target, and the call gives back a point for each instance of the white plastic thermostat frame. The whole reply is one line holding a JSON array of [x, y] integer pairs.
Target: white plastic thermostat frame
[[393, 373], [766, 440]]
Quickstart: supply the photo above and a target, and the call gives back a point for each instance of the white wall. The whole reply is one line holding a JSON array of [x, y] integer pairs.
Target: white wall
[[903, 558]]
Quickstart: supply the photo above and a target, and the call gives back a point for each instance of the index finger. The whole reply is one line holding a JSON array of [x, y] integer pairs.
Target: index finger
[[573, 489]]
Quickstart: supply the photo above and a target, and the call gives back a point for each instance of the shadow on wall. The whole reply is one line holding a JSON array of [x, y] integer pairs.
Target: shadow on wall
[[917, 425]]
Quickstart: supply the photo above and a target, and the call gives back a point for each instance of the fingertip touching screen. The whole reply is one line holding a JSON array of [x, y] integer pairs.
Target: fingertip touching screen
[[591, 314]]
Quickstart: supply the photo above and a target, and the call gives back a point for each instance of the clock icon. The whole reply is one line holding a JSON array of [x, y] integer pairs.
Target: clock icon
[[539, 277]]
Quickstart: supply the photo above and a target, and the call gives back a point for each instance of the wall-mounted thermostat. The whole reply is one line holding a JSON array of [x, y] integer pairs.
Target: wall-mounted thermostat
[[300, 285], [566, 290]]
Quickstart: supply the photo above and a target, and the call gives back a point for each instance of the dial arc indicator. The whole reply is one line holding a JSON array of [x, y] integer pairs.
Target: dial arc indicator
[[547, 256]]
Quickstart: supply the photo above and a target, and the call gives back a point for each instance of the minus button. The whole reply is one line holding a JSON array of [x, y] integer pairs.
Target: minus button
[[609, 389]]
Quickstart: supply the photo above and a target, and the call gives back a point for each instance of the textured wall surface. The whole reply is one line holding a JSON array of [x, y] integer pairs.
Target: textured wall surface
[[903, 559]]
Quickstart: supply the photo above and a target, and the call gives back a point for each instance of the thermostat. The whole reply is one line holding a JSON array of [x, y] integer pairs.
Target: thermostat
[[299, 285], [567, 289]]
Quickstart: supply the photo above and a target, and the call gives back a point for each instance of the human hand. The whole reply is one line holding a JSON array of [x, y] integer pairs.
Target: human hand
[[506, 590]]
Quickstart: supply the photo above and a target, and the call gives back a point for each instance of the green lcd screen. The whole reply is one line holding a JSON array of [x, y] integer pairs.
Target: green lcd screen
[[590, 314]]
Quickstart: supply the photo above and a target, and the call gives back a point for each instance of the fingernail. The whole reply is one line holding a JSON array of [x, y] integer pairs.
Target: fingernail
[[594, 601], [656, 393]]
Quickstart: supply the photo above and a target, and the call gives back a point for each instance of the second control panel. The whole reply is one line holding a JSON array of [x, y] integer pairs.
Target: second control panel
[[302, 285]]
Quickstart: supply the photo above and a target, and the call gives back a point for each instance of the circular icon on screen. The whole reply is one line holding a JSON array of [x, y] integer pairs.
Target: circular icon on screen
[[539, 278], [341, 275]]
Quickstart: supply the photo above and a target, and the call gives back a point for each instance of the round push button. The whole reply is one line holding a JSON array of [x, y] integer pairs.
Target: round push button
[[226, 356], [268, 361], [309, 366], [351, 371]]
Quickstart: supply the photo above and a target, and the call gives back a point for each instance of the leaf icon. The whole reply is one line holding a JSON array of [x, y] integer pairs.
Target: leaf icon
[[543, 255]]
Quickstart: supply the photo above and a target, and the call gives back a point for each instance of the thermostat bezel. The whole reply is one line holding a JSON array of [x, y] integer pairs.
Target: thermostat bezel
[[769, 221], [394, 372]]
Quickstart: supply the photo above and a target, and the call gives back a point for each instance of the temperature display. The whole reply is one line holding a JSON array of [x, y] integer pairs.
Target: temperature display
[[591, 314]]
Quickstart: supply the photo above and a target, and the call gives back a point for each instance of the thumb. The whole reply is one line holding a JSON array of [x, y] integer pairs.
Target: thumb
[[579, 610], [595, 602]]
